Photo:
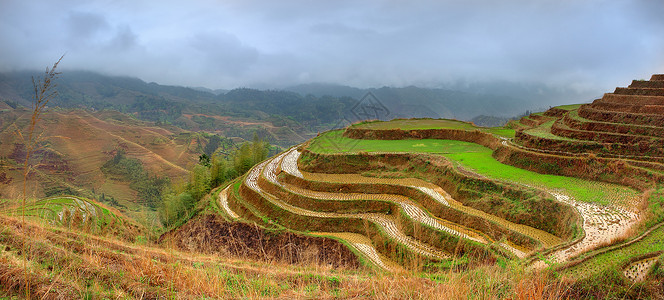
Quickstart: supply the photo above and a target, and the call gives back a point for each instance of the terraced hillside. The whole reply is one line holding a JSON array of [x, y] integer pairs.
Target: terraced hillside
[[81, 142], [432, 195], [627, 123], [428, 205], [76, 213]]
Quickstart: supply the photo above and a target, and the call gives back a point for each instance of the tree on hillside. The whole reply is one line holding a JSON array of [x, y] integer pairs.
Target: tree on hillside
[[219, 171], [209, 173], [259, 149], [199, 181]]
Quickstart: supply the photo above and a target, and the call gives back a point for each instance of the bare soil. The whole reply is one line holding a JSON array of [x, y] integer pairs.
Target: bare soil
[[210, 233]]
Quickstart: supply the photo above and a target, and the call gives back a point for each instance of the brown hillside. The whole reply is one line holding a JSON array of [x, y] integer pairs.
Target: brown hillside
[[80, 142]]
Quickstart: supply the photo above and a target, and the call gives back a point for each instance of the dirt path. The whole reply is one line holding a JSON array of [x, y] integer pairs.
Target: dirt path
[[155, 155], [602, 224], [223, 202]]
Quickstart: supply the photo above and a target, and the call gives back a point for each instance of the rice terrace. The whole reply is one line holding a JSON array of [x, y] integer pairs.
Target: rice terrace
[[576, 189], [332, 150], [573, 194], [564, 203]]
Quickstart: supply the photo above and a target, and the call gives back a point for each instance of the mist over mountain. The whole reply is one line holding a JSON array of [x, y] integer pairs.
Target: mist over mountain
[[310, 105], [460, 100]]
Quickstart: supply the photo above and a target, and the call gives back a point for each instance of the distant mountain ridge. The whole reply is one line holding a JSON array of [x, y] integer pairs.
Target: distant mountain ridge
[[307, 108], [462, 101]]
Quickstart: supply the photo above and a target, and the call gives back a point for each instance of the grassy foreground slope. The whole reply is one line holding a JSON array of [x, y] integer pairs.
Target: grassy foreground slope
[[66, 262]]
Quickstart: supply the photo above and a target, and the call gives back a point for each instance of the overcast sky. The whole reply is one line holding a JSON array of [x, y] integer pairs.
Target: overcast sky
[[583, 44]]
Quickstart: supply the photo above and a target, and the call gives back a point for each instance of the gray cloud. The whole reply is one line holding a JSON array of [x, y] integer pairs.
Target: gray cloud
[[584, 44], [223, 53], [82, 26]]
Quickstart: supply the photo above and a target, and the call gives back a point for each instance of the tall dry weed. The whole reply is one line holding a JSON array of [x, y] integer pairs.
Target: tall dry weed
[[45, 91]]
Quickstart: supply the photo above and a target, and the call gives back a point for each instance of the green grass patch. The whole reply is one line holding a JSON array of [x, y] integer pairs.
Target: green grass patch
[[480, 160], [334, 142], [500, 131], [569, 106], [582, 190], [656, 206], [544, 131], [415, 124]]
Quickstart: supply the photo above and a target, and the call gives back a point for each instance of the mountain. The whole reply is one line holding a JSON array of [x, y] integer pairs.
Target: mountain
[[283, 117], [204, 89], [280, 117], [460, 100]]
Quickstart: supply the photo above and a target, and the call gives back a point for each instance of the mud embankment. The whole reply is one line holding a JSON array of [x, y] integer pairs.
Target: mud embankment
[[210, 233]]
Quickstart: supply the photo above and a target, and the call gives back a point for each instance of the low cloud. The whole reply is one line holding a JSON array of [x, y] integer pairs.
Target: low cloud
[[592, 44], [222, 53]]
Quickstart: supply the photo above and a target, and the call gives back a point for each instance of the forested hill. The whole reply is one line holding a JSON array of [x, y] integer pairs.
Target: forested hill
[[154, 102], [463, 101], [281, 116]]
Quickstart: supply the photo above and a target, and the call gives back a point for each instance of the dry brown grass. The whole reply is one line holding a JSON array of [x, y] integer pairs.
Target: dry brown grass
[[66, 264]]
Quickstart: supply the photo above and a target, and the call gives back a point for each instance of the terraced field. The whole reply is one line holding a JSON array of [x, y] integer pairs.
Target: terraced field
[[264, 178], [634, 258], [606, 208], [77, 212], [628, 123], [81, 142], [420, 124], [279, 180], [268, 180], [386, 223], [437, 194]]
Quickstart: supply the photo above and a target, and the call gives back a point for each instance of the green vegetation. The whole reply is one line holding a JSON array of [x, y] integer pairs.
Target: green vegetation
[[179, 200], [544, 131], [582, 190], [656, 206], [478, 159], [334, 142], [617, 258], [216, 143], [569, 106], [414, 124], [150, 188]]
